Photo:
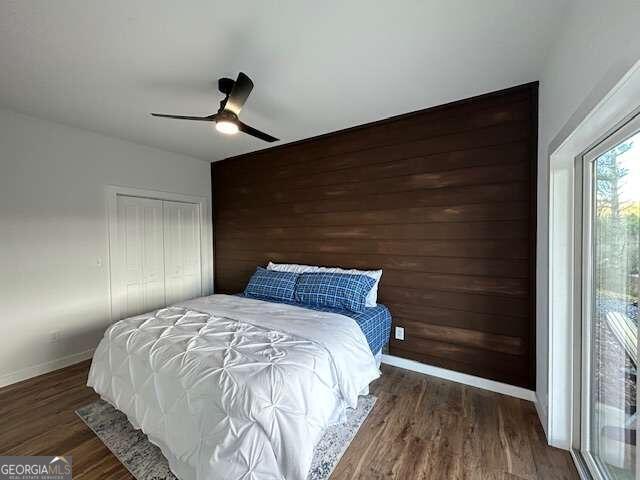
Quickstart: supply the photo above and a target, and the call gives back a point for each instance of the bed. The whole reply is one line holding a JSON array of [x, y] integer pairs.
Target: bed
[[375, 323], [235, 387]]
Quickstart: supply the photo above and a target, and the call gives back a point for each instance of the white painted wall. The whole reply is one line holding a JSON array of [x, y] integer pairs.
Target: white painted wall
[[53, 233], [598, 43]]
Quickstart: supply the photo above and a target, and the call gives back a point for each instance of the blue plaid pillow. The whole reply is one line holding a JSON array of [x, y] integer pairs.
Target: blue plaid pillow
[[271, 284], [335, 290]]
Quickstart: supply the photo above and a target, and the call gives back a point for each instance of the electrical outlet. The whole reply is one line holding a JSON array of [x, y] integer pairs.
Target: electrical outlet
[[56, 336], [399, 333]]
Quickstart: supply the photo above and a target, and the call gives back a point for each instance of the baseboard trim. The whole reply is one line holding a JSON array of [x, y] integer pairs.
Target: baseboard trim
[[458, 377], [42, 368]]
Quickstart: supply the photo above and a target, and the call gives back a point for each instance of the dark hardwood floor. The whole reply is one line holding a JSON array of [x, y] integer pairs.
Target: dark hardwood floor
[[421, 428]]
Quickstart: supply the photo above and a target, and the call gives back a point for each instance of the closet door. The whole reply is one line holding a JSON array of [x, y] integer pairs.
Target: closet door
[[140, 266], [182, 251]]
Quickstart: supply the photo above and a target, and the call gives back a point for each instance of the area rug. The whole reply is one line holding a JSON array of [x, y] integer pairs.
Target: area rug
[[145, 461]]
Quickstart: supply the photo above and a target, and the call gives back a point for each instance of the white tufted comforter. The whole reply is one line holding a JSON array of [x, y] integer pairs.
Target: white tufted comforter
[[234, 388]]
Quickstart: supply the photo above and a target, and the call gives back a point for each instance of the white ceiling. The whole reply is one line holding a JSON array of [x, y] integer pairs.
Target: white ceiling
[[317, 66]]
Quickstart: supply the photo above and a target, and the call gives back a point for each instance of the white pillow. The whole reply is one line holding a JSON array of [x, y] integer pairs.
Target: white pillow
[[372, 296]]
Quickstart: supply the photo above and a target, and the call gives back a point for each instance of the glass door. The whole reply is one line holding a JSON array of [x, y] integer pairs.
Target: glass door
[[611, 287]]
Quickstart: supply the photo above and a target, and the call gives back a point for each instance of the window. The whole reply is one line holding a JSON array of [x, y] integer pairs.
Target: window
[[610, 292]]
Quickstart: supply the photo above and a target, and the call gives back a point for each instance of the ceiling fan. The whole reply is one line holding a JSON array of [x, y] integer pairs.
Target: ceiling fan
[[236, 94]]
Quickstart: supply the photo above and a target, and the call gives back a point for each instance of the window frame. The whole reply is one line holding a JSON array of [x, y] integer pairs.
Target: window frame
[[584, 201]]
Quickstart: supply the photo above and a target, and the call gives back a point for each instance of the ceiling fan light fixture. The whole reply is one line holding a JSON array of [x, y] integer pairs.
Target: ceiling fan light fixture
[[227, 127]]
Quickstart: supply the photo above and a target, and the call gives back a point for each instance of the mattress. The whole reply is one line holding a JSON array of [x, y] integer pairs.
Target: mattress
[[234, 388], [375, 322]]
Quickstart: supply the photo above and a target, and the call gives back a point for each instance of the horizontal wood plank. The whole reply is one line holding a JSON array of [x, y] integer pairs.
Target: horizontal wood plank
[[450, 362], [489, 304], [452, 213], [409, 231], [496, 361], [484, 285], [516, 249], [499, 324], [346, 198], [463, 336], [446, 265]]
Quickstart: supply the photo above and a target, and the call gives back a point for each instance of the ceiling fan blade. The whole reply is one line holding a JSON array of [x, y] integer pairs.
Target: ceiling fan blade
[[239, 94], [210, 118], [243, 127]]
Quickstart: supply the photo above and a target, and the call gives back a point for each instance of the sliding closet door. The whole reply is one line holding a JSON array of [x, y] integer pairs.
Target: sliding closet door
[[139, 262], [182, 251]]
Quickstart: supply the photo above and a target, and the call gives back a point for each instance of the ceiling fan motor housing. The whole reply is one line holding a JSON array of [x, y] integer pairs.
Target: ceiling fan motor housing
[[225, 85]]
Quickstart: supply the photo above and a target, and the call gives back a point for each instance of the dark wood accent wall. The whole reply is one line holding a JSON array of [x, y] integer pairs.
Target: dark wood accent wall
[[442, 199]]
